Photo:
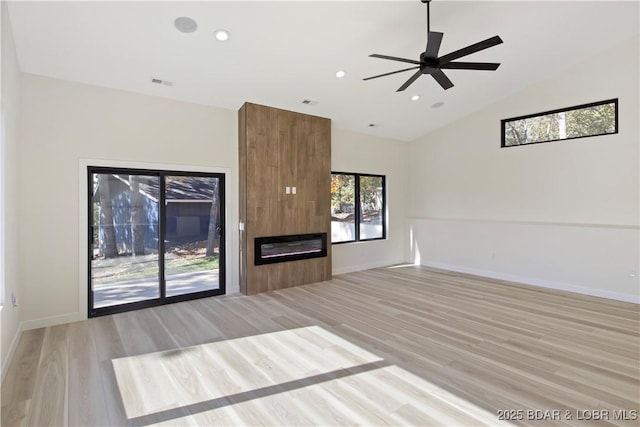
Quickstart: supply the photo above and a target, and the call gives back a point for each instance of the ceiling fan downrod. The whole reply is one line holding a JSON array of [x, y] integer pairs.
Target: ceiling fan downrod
[[428, 20]]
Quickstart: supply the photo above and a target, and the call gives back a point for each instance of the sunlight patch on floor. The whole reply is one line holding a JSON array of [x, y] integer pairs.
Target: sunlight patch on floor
[[303, 376]]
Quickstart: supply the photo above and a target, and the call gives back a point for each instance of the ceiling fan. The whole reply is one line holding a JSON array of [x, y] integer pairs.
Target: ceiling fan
[[430, 63]]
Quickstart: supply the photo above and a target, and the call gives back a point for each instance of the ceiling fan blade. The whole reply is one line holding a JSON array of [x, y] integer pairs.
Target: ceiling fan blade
[[442, 79], [388, 74], [411, 80], [395, 58], [476, 47], [489, 66], [433, 44]]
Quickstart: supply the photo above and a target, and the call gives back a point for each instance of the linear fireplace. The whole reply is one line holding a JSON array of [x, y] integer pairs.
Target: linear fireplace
[[269, 250]]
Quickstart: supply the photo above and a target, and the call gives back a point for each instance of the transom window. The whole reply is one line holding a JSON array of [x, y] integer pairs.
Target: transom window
[[598, 118]]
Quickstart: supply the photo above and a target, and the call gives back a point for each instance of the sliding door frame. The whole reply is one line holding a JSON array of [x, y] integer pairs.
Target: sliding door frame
[[89, 170]]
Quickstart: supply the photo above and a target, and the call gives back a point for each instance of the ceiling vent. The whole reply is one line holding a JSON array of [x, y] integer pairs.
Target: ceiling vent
[[310, 102], [161, 82], [184, 24]]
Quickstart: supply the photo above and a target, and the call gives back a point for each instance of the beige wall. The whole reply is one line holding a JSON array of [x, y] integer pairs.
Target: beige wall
[[562, 214], [9, 278], [359, 153], [68, 125]]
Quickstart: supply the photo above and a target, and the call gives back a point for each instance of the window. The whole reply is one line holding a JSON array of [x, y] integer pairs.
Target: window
[[358, 204], [598, 118]]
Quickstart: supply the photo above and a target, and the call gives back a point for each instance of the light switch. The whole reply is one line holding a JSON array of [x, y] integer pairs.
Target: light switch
[[293, 190], [287, 190]]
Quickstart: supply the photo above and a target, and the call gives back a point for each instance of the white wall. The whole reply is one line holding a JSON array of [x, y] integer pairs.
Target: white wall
[[562, 214], [359, 153], [9, 282], [63, 125]]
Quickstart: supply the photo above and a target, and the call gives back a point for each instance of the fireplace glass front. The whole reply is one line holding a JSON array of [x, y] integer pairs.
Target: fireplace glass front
[[272, 249]]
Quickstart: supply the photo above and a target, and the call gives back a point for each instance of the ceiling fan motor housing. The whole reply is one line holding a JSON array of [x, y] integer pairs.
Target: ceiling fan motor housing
[[428, 62]]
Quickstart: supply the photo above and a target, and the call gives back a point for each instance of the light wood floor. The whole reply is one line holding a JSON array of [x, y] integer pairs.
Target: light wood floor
[[388, 346]]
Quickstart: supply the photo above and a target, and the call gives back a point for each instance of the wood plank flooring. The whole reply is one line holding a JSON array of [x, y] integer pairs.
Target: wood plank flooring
[[402, 345]]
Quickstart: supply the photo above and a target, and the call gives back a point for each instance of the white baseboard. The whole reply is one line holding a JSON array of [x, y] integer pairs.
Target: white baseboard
[[535, 282], [52, 321], [11, 352], [354, 268]]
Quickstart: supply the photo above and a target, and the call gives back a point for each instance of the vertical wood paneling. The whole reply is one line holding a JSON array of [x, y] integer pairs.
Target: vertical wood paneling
[[242, 189], [281, 149]]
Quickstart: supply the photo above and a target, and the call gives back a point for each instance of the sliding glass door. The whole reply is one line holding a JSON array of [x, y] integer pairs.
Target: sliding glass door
[[154, 237]]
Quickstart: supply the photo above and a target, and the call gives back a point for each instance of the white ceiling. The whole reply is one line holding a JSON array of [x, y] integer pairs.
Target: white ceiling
[[281, 53]]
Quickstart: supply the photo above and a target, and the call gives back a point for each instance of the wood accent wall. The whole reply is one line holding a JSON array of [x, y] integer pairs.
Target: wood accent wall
[[278, 149]]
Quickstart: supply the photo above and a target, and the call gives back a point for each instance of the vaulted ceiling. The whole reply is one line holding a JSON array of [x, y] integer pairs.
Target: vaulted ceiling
[[282, 53]]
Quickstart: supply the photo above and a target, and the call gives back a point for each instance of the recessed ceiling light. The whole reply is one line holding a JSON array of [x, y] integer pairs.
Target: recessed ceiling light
[[184, 24], [340, 74], [222, 35], [415, 97], [437, 104]]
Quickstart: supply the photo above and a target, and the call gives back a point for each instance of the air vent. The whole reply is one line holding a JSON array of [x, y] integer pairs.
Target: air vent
[[309, 102], [162, 82]]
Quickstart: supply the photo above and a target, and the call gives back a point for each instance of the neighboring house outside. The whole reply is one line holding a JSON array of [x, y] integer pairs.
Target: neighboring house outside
[[188, 212]]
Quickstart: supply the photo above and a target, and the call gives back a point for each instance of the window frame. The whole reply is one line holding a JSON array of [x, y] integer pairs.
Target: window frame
[[163, 299], [357, 213], [503, 122]]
